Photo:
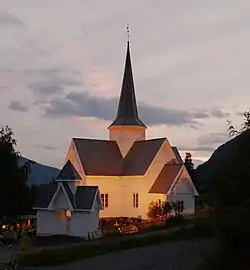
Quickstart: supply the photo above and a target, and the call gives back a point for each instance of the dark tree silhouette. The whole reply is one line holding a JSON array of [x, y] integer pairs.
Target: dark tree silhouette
[[189, 164], [233, 131], [15, 196]]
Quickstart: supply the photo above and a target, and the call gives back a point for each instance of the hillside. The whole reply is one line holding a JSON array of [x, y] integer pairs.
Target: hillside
[[234, 150], [40, 174], [197, 162]]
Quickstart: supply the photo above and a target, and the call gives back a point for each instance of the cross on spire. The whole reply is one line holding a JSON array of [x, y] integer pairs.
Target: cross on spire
[[128, 31]]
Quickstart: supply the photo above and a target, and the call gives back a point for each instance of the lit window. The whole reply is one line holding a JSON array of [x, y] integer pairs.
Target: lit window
[[61, 214], [105, 200], [135, 200], [68, 214]]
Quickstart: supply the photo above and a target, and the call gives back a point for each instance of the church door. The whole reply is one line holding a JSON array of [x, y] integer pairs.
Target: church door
[[61, 224]]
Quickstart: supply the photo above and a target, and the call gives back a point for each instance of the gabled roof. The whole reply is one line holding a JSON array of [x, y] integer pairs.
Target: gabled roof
[[68, 172], [85, 196], [82, 200], [69, 193], [100, 157], [45, 195], [141, 155], [177, 154], [127, 113], [166, 178]]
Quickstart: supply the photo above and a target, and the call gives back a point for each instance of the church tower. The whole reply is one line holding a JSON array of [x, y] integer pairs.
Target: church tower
[[127, 126]]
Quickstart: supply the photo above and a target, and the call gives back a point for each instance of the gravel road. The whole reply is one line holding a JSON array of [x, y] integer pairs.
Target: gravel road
[[179, 255]]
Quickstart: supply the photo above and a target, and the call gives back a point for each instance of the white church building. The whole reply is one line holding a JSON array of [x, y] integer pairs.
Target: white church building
[[127, 171]]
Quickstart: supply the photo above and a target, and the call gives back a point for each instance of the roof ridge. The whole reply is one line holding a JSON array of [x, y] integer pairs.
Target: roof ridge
[[156, 139], [90, 139]]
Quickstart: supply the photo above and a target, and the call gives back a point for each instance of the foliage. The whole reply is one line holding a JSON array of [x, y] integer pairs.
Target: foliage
[[189, 163], [14, 193], [233, 131], [161, 209]]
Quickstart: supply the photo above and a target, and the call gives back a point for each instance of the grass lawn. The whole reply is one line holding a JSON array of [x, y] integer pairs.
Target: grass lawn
[[61, 255]]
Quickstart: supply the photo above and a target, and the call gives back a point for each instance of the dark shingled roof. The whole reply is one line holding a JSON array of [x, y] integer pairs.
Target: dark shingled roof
[[140, 156], [45, 194], [100, 157], [68, 172], [165, 178], [177, 154], [127, 113], [69, 193], [83, 199]]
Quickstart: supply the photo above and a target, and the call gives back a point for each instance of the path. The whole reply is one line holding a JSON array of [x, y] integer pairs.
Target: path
[[5, 253], [179, 255]]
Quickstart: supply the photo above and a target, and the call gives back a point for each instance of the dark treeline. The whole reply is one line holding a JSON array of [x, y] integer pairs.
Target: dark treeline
[[16, 197]]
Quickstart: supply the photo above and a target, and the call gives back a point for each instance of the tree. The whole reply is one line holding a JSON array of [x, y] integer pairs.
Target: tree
[[233, 131], [189, 163], [14, 193], [161, 209]]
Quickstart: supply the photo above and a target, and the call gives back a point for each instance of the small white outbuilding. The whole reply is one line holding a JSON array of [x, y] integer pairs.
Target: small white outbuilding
[[63, 208]]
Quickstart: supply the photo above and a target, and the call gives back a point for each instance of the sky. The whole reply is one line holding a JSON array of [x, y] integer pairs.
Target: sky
[[62, 62]]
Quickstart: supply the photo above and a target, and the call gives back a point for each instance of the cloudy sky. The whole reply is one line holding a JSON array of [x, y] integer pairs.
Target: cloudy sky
[[61, 66]]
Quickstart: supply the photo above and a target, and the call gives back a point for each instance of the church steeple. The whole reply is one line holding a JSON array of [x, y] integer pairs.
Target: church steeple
[[127, 126], [127, 113]]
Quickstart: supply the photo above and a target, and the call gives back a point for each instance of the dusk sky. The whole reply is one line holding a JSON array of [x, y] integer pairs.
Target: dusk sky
[[62, 61]]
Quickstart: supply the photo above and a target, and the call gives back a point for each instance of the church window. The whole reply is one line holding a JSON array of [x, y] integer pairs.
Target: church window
[[105, 200], [180, 206], [135, 200]]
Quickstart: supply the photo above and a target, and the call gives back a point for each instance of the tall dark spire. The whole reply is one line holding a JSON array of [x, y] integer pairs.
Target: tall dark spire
[[127, 113]]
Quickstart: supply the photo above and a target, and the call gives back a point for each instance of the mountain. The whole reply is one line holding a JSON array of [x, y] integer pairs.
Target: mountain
[[225, 156], [39, 174], [197, 162]]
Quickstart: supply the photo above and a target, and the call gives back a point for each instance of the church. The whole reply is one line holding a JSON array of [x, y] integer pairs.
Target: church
[[130, 171], [120, 176]]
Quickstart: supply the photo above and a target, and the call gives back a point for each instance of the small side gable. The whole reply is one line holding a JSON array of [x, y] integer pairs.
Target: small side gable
[[73, 157], [183, 184], [68, 173], [60, 200]]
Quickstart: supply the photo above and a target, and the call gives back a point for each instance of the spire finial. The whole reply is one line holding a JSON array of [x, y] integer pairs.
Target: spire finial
[[128, 31]]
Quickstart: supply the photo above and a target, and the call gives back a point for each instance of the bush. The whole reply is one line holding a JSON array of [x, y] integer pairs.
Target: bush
[[175, 221]]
